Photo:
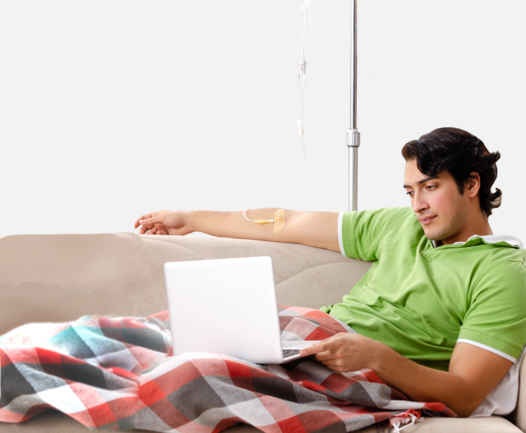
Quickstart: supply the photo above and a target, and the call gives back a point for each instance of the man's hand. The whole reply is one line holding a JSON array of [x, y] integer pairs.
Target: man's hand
[[347, 352], [163, 223]]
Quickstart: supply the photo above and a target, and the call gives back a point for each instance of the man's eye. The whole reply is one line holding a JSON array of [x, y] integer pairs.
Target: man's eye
[[410, 193], [431, 187]]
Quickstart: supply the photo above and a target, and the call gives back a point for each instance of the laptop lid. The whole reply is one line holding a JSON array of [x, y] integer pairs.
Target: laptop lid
[[224, 306]]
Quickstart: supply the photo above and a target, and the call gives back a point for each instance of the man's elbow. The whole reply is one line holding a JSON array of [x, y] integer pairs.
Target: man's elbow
[[465, 410], [465, 405]]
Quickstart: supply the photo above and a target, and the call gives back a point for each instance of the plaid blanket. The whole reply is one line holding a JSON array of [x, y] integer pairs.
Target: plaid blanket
[[117, 374]]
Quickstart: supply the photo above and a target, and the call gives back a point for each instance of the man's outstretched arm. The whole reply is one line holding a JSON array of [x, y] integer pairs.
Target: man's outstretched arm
[[316, 229], [473, 372]]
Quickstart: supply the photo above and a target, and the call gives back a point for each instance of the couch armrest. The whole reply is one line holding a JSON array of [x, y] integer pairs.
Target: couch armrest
[[518, 416]]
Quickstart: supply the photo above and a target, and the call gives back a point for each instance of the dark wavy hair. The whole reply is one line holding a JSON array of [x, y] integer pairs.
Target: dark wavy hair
[[460, 153]]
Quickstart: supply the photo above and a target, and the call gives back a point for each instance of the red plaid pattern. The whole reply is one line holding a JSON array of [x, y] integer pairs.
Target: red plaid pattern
[[117, 374]]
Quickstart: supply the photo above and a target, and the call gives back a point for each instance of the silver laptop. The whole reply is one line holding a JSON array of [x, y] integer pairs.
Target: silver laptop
[[227, 306]]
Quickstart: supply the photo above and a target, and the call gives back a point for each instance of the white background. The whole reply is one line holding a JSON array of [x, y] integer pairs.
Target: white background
[[111, 109]]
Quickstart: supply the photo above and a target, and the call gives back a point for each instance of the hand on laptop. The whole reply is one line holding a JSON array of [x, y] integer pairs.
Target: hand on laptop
[[163, 223], [346, 352]]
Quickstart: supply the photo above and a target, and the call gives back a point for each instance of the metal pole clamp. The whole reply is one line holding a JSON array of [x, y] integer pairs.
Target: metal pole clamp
[[353, 138]]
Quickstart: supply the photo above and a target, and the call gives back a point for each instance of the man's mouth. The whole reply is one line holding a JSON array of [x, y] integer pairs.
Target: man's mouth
[[426, 220]]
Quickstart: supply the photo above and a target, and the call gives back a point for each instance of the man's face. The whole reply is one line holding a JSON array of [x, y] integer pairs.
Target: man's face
[[442, 211]]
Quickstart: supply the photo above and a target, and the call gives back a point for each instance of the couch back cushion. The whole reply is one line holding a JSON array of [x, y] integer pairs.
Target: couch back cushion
[[61, 277]]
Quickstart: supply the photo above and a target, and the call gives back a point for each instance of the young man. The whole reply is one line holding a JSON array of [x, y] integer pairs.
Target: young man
[[441, 315]]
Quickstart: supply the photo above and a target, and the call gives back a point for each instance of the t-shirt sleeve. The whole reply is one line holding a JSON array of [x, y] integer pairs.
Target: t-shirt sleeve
[[362, 233], [497, 315]]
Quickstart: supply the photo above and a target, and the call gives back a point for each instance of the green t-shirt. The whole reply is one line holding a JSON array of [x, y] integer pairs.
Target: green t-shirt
[[420, 300]]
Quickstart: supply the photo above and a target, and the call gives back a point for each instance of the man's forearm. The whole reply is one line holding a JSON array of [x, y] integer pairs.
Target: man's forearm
[[473, 371], [317, 229], [462, 388], [421, 383]]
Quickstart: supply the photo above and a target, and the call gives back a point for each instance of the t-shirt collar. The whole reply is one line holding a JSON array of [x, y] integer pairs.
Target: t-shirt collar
[[512, 241]]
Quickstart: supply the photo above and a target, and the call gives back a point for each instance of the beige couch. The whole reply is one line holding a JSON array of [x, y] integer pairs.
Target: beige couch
[[62, 277]]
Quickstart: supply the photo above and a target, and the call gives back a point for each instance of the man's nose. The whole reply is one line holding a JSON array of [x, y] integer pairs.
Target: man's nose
[[419, 204]]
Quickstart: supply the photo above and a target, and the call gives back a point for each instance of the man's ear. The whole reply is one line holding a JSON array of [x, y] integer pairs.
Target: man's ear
[[473, 184]]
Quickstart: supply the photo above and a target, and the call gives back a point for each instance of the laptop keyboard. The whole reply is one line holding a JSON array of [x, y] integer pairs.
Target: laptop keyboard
[[290, 352]]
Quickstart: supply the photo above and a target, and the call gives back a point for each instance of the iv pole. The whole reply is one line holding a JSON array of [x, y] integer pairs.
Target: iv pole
[[353, 135]]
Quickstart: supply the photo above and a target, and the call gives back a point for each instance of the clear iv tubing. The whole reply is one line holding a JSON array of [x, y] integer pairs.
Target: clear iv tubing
[[301, 84]]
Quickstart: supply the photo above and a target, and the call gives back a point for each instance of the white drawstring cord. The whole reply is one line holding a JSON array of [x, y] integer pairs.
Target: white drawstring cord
[[404, 423]]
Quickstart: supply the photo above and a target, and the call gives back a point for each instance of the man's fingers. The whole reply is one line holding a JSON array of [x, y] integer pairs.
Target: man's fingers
[[143, 230], [329, 345], [316, 348], [312, 350], [149, 221], [325, 356], [142, 218]]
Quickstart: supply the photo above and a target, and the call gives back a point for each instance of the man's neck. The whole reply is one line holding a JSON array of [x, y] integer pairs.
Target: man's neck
[[480, 227]]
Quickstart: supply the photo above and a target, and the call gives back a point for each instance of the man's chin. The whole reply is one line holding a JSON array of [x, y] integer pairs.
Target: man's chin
[[433, 235]]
